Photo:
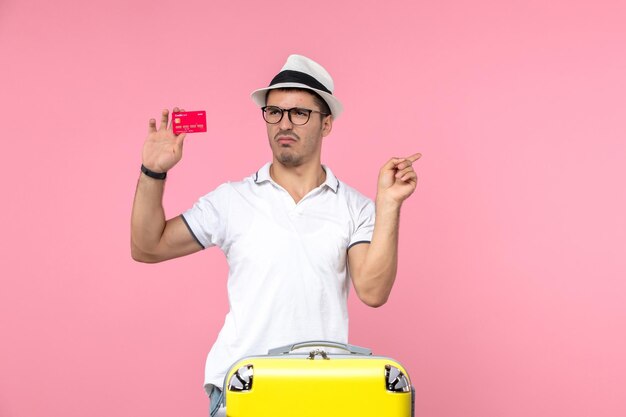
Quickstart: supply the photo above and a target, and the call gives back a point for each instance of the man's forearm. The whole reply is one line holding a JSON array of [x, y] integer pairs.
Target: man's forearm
[[374, 268], [378, 272], [148, 217]]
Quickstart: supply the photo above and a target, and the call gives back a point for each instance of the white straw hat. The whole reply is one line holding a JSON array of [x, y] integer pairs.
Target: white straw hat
[[302, 72]]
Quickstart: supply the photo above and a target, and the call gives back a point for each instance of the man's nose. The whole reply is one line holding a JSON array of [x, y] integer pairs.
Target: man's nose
[[285, 122]]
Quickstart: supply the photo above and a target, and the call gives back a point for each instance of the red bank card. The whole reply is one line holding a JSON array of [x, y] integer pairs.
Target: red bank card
[[189, 122]]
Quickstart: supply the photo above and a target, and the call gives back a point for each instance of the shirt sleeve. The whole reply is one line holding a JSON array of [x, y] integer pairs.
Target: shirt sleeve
[[364, 223], [207, 219]]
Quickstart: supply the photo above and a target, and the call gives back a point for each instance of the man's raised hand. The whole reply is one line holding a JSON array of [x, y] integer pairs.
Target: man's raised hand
[[397, 179], [162, 148]]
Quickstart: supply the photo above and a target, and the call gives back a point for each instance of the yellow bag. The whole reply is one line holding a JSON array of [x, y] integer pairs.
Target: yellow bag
[[317, 383]]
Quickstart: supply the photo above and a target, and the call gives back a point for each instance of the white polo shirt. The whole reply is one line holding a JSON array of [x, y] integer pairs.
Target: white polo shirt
[[288, 280]]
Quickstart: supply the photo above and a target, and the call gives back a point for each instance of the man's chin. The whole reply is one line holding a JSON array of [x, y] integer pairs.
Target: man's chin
[[289, 159]]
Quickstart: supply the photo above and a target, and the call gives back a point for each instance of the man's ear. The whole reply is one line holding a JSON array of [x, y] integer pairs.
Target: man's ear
[[327, 125]]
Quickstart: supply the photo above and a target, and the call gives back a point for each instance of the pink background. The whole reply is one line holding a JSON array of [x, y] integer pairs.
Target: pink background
[[511, 294]]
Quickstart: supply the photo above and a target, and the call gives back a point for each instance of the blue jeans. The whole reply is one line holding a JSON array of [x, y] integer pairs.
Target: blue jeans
[[215, 397]]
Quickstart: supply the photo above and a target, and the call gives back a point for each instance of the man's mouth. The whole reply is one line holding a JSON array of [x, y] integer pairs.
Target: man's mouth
[[285, 140]]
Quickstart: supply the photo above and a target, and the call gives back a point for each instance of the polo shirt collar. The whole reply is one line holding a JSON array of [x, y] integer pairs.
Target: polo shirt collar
[[263, 175]]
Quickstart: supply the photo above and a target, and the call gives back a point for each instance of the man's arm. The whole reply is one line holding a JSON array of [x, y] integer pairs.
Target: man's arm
[[373, 266], [153, 239]]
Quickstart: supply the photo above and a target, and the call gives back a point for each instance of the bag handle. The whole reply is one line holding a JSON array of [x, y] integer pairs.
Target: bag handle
[[355, 350]]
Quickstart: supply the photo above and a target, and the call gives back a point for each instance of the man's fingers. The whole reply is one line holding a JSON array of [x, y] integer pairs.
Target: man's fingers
[[414, 157], [401, 172], [401, 163], [164, 117], [391, 164], [180, 139], [408, 161], [152, 126], [410, 176]]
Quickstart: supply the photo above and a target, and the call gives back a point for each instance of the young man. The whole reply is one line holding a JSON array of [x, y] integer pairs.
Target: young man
[[292, 232]]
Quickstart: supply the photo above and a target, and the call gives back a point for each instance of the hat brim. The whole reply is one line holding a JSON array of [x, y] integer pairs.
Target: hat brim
[[336, 108]]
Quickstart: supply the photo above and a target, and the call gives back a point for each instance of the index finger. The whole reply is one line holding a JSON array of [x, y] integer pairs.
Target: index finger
[[403, 163], [414, 157]]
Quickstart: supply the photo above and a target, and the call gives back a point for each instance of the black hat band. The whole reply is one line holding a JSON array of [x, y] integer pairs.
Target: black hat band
[[290, 76]]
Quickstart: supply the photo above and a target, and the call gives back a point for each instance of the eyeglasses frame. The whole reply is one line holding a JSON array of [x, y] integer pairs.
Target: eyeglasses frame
[[282, 114]]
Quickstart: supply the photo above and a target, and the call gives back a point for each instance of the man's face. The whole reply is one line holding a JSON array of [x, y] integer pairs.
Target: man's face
[[294, 145]]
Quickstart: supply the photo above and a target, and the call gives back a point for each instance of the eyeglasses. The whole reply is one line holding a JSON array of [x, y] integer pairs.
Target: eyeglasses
[[297, 115]]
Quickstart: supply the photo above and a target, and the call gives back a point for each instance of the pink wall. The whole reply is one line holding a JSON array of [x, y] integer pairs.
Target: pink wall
[[511, 294]]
